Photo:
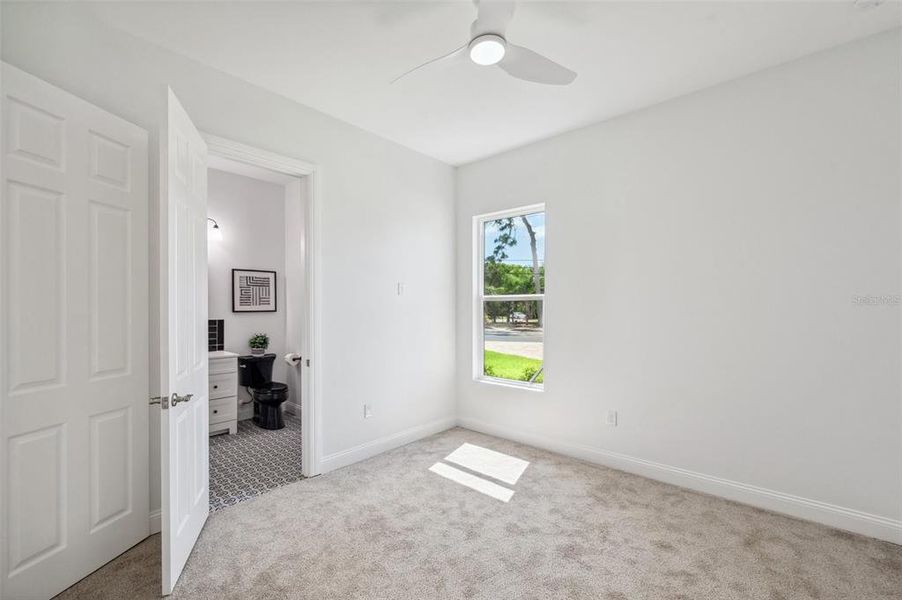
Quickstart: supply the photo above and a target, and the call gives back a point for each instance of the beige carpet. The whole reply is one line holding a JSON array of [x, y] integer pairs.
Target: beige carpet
[[389, 528]]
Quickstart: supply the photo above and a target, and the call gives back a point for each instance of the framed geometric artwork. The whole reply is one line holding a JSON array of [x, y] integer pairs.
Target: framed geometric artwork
[[253, 290]]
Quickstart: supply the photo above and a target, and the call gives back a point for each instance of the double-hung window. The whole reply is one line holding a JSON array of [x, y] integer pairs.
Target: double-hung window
[[510, 283]]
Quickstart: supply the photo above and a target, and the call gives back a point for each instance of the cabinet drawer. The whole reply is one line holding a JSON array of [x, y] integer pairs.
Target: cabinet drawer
[[222, 385], [223, 365], [225, 409]]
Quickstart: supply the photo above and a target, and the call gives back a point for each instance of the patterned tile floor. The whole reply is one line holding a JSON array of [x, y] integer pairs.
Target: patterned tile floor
[[253, 461]]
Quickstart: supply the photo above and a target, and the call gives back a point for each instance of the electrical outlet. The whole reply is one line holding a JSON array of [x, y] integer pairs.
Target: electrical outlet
[[402, 287], [611, 418], [367, 411]]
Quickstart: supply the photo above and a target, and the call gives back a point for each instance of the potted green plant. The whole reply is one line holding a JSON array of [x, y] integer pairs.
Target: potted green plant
[[259, 342]]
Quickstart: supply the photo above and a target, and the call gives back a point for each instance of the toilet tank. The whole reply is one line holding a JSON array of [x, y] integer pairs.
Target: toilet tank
[[255, 371]]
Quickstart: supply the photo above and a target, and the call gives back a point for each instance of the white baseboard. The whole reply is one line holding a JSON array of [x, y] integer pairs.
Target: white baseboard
[[156, 523], [803, 508], [383, 444]]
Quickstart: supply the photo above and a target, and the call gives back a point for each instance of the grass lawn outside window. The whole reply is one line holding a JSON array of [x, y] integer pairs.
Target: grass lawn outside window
[[511, 366]]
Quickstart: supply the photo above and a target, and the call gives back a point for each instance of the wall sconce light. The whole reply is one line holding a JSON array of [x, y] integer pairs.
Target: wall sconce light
[[215, 232]]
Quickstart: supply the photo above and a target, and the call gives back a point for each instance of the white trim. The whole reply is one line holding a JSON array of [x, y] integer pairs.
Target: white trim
[[366, 450], [521, 385], [250, 155], [512, 212], [478, 281], [514, 298], [849, 519], [156, 522], [311, 402]]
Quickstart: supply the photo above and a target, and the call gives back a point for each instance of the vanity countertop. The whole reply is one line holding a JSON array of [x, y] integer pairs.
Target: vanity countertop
[[222, 354]]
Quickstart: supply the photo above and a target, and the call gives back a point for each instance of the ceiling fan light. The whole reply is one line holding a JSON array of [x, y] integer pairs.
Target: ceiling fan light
[[487, 49]]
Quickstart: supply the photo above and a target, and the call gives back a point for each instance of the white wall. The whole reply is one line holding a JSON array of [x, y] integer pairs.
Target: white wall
[[387, 216], [251, 216], [702, 258]]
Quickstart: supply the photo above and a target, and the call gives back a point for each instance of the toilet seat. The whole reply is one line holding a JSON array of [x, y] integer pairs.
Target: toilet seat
[[274, 386]]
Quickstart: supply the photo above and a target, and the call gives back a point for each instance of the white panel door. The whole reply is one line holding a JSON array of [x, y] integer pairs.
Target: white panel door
[[73, 325], [183, 261]]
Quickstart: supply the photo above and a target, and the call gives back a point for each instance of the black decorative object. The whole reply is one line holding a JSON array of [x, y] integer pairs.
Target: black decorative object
[[253, 290], [216, 330]]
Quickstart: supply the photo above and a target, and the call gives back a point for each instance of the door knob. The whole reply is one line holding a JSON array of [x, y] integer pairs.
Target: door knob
[[176, 398]]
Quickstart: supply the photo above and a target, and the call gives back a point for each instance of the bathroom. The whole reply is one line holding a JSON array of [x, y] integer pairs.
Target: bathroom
[[255, 246]]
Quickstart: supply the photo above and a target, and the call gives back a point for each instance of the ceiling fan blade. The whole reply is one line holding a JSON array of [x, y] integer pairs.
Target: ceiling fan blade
[[454, 54], [523, 63], [492, 17]]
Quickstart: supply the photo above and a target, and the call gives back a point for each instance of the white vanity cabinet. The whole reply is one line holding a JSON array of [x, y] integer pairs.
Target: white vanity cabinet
[[223, 392]]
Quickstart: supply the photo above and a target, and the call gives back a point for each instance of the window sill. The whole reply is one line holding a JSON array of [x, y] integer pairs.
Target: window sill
[[520, 385]]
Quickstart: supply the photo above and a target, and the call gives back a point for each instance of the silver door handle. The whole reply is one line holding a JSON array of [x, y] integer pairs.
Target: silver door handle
[[176, 399]]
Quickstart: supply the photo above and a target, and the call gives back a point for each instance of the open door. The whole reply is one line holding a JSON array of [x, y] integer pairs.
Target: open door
[[73, 337], [183, 345]]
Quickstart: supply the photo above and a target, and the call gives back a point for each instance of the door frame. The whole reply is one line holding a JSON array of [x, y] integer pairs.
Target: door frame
[[311, 401]]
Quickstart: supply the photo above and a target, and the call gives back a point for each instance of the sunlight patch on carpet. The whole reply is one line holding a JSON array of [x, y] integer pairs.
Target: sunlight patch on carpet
[[476, 459], [473, 482], [496, 465]]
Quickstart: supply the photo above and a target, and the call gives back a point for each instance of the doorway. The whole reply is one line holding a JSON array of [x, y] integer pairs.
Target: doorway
[[261, 320], [254, 249]]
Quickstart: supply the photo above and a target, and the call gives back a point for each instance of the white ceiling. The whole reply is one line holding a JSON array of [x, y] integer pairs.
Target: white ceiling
[[338, 57]]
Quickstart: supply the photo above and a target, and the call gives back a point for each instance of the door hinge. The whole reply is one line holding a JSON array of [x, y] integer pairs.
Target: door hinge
[[163, 401]]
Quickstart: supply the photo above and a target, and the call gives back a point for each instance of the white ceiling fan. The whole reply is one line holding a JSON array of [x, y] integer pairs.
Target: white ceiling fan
[[488, 46]]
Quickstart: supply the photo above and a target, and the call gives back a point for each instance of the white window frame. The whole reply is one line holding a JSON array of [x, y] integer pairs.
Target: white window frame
[[479, 297]]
